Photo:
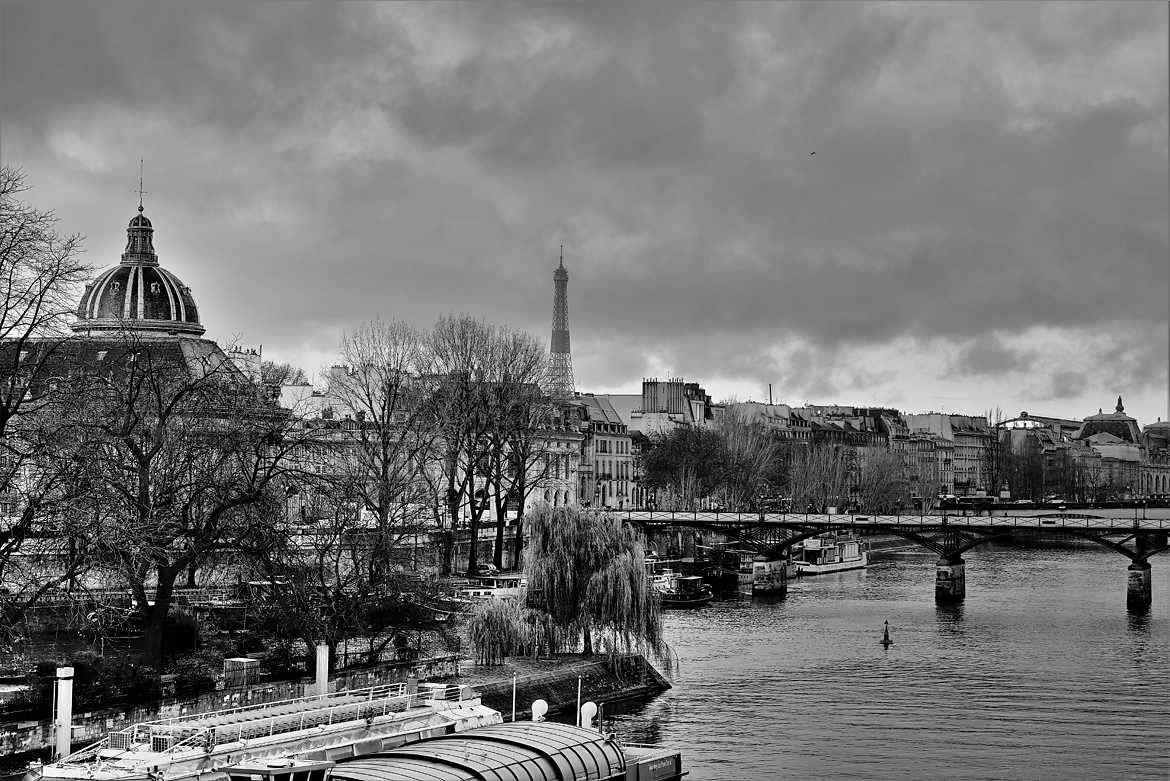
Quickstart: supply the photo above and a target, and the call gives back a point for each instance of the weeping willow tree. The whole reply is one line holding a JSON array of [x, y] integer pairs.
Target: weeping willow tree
[[585, 571], [495, 629], [499, 628]]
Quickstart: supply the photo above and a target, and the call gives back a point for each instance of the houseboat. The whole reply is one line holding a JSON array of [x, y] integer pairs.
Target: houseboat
[[679, 591], [831, 553], [536, 750], [496, 586], [326, 727]]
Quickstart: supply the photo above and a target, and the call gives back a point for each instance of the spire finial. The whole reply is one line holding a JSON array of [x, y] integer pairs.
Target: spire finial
[[141, 192], [1120, 406], [562, 256]]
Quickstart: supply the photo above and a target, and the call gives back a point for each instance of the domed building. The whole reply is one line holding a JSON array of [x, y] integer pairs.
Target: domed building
[[138, 296], [1116, 423], [1110, 453], [136, 308]]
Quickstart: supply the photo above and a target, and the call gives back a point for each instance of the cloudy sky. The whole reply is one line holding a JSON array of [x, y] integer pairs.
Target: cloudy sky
[[983, 223]]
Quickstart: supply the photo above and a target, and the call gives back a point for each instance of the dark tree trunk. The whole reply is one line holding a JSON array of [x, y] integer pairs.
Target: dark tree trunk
[[473, 550], [449, 534], [521, 490], [518, 547], [447, 548], [501, 511], [155, 618]]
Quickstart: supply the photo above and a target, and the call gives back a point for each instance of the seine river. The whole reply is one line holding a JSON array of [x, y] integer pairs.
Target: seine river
[[1041, 674]]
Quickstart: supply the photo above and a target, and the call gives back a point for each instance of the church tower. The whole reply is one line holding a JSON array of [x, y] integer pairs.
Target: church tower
[[561, 366]]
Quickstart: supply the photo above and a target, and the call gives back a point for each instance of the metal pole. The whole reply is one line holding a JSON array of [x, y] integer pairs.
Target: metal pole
[[64, 714], [578, 700], [322, 669], [513, 696]]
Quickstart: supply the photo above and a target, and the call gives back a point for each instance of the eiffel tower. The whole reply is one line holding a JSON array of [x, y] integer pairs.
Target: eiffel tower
[[561, 364]]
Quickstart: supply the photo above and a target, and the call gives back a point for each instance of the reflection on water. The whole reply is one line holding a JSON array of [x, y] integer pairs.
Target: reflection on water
[[1139, 622], [1041, 673]]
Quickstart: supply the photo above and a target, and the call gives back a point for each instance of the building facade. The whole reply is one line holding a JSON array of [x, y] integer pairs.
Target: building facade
[[608, 460], [663, 405]]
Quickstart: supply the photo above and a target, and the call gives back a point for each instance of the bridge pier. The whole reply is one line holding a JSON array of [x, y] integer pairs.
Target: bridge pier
[[950, 580], [1139, 592]]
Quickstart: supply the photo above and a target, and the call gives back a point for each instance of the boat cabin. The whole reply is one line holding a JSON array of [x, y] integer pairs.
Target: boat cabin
[[687, 585], [494, 587]]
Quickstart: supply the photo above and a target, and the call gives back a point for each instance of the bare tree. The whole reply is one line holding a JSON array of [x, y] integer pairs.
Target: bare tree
[[457, 365], [518, 414], [880, 482], [274, 373], [996, 466], [685, 463], [380, 456], [174, 447], [819, 475], [530, 454], [335, 579], [749, 453], [40, 279]]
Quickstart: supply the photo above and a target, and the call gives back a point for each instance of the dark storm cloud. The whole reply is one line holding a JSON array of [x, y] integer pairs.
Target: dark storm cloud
[[980, 170], [989, 355], [1066, 385]]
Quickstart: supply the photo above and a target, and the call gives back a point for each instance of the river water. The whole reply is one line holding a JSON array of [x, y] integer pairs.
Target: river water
[[1040, 674]]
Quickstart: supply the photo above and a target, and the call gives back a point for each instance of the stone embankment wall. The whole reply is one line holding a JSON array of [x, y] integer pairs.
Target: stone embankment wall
[[27, 737], [555, 681]]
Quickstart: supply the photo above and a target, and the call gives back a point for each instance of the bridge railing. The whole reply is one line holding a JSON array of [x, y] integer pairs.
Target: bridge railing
[[1119, 519]]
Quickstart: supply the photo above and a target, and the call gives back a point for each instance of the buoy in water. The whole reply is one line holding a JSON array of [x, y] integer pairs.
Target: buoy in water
[[886, 641]]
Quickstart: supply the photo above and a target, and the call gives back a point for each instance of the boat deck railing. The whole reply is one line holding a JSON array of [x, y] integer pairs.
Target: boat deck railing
[[205, 731]]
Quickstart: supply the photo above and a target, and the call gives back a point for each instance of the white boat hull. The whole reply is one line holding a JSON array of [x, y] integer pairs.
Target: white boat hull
[[804, 568], [341, 725]]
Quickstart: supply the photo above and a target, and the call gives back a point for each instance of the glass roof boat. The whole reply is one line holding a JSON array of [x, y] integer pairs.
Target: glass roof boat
[[339, 725]]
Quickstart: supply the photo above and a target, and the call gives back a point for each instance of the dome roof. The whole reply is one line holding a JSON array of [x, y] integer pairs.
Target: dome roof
[[1116, 423], [138, 293]]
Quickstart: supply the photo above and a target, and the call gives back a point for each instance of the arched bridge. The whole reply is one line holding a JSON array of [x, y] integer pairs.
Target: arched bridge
[[1135, 531]]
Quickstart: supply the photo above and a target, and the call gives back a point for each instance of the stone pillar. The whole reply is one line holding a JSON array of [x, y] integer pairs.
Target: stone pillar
[[950, 580], [1139, 593]]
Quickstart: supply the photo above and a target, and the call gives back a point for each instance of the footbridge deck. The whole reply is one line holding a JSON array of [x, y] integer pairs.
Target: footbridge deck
[[1086, 519]]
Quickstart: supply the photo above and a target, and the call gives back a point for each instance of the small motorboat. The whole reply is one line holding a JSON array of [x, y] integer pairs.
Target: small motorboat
[[683, 591]]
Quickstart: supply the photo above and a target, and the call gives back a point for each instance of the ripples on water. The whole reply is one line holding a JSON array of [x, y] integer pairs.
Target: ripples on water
[[1040, 674]]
